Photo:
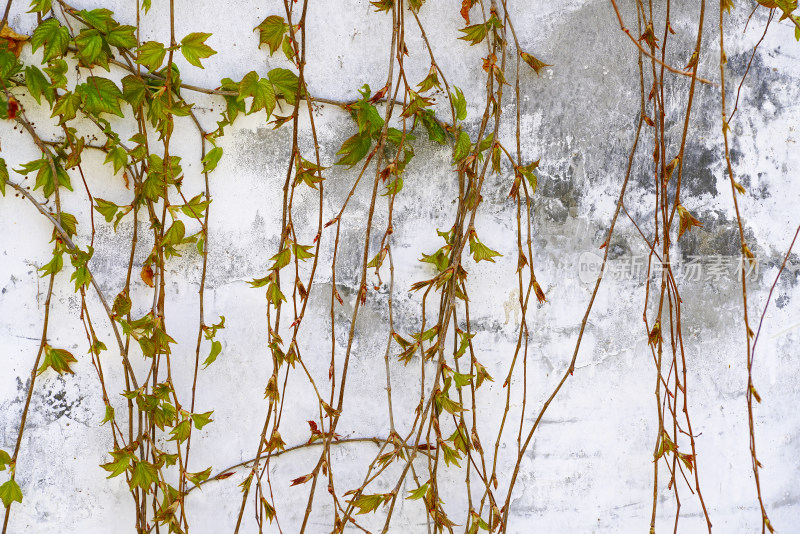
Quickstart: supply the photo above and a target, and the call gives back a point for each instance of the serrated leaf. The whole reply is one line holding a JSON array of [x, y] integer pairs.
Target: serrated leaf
[[122, 36], [40, 6], [174, 235], [105, 208], [100, 95], [151, 55], [216, 348], [90, 46], [56, 359], [354, 149], [271, 32], [418, 493], [474, 34], [10, 492], [201, 419], [51, 35], [260, 89], [285, 83], [3, 176], [212, 158], [37, 84], [459, 103], [370, 503], [536, 64], [99, 18], [462, 146], [67, 107], [118, 157], [481, 252], [194, 48], [143, 475]]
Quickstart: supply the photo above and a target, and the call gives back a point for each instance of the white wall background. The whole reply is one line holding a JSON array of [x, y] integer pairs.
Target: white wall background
[[589, 467]]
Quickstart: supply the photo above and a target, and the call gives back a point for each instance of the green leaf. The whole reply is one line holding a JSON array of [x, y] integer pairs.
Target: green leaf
[[199, 478], [181, 431], [10, 492], [201, 419], [260, 89], [194, 48], [118, 156], [285, 83], [54, 265], [143, 475], [67, 107], [99, 18], [5, 459], [37, 84], [56, 359], [9, 66], [216, 348], [430, 81], [40, 6], [354, 149], [418, 493], [370, 503], [461, 149], [195, 207], [460, 103], [211, 159], [109, 414], [100, 95], [174, 235], [475, 33], [56, 70], [271, 32], [90, 45], [105, 208], [480, 251], [120, 462], [52, 36], [134, 90], [3, 176], [151, 55], [122, 37]]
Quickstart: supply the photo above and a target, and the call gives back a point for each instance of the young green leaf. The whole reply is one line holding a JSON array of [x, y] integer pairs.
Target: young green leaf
[[194, 48], [216, 348], [100, 95], [38, 85], [51, 35], [285, 83], [56, 359], [151, 55], [10, 492], [3, 176], [211, 159], [201, 419], [271, 32], [461, 149], [459, 103], [354, 149], [143, 475]]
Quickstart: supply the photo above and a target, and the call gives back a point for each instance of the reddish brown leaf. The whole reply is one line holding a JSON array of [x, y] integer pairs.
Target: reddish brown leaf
[[302, 480], [147, 274]]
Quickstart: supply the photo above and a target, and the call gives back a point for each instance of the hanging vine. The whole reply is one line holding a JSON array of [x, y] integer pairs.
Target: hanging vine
[[150, 440]]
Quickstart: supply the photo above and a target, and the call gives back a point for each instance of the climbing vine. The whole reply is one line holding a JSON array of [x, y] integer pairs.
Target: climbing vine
[[96, 78]]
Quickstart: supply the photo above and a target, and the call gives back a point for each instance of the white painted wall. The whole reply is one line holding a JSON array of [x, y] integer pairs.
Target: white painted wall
[[589, 467]]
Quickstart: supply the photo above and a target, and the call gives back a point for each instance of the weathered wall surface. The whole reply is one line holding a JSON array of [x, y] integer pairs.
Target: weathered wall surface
[[589, 466]]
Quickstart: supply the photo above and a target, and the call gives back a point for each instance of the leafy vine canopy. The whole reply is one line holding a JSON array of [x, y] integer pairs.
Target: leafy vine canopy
[[400, 265]]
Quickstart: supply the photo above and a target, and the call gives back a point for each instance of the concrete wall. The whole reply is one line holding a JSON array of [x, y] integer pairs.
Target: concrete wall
[[589, 467]]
